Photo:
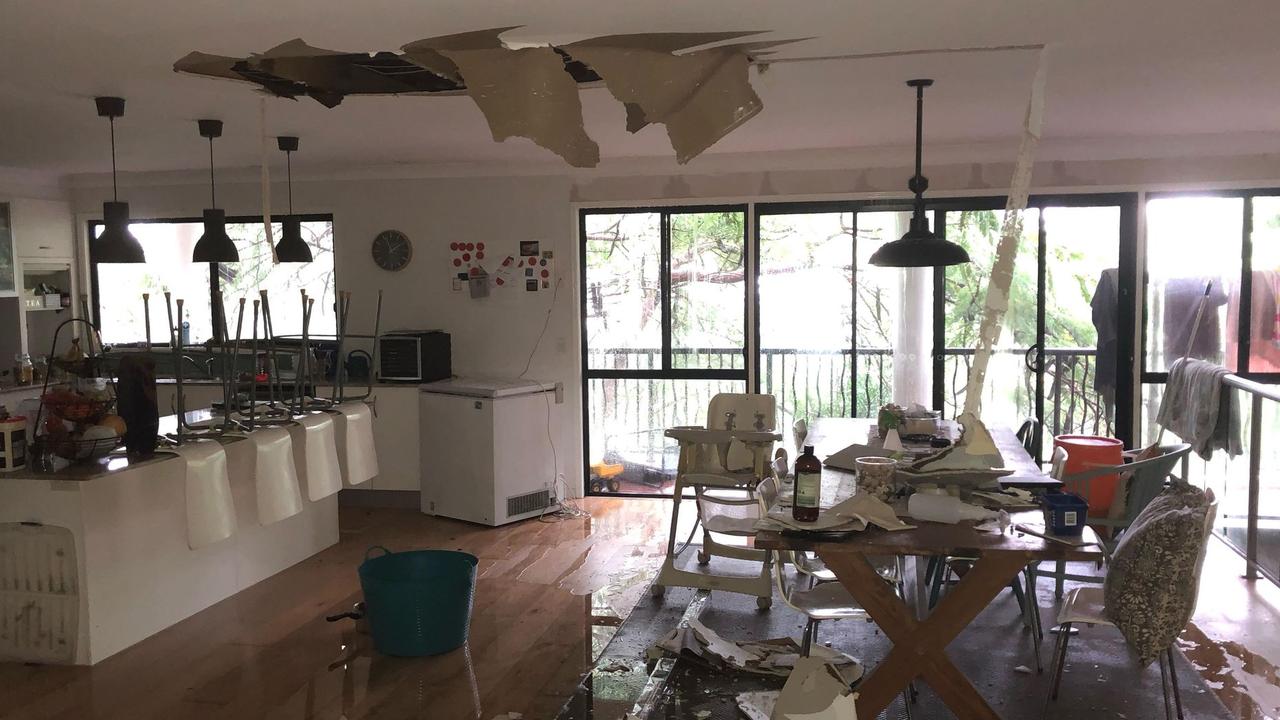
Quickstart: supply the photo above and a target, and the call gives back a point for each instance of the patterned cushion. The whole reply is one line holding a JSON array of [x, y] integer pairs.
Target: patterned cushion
[[1150, 586]]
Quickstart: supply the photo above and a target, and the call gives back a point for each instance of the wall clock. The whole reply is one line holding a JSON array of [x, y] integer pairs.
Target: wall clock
[[392, 250]]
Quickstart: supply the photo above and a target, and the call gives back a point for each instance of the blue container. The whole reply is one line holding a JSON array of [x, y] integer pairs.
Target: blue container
[[1065, 513], [418, 602]]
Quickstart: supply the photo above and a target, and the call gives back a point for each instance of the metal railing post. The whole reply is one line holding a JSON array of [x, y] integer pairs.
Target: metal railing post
[[1255, 475]]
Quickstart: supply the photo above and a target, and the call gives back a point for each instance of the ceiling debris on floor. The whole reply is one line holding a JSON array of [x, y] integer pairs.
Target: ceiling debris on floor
[[531, 92]]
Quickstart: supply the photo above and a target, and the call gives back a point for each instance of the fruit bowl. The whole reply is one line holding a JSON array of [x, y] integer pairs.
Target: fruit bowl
[[76, 408], [79, 450]]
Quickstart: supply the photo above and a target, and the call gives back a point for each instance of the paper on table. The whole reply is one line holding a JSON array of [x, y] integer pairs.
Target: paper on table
[[852, 514], [844, 459]]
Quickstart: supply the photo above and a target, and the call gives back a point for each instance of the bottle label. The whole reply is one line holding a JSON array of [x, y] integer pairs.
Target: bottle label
[[808, 489]]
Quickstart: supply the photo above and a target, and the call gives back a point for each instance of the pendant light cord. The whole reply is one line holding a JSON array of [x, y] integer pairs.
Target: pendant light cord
[[288, 165], [213, 192], [919, 135], [115, 193]]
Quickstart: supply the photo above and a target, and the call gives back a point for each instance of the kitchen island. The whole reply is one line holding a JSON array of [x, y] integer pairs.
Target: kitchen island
[[127, 522]]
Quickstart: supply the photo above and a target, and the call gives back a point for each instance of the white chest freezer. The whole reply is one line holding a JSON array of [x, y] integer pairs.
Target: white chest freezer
[[486, 455]]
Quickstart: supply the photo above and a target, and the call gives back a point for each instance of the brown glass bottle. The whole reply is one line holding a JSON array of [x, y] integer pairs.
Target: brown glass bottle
[[808, 492]]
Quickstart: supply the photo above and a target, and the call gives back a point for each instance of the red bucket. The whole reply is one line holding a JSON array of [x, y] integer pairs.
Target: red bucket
[[1087, 452]]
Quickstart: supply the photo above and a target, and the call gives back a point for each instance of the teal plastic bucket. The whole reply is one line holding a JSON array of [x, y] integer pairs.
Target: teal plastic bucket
[[418, 602]]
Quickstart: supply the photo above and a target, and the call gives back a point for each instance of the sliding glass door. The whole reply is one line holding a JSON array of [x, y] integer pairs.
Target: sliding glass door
[[1063, 356], [665, 317], [837, 335], [664, 329]]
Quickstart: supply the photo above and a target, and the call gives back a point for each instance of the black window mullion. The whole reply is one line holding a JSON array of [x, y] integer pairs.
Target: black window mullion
[[939, 319], [215, 308], [1127, 311], [664, 283], [853, 319], [1042, 286], [1245, 319]]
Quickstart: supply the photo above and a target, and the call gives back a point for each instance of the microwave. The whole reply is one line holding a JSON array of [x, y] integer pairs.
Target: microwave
[[414, 356]]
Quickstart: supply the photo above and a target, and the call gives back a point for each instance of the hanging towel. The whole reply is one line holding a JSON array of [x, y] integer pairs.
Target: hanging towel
[[1198, 408], [323, 476], [275, 475], [358, 456], [211, 514]]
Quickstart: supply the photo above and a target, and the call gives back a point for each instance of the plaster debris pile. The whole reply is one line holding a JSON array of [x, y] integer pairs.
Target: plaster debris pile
[[700, 95], [777, 657]]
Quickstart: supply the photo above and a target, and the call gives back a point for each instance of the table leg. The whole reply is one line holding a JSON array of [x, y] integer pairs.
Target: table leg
[[919, 646], [922, 585]]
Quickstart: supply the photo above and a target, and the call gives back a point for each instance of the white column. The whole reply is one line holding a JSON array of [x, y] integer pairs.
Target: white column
[[913, 349]]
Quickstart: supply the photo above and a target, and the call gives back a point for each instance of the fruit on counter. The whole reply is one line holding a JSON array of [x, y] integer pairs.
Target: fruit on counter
[[115, 422]]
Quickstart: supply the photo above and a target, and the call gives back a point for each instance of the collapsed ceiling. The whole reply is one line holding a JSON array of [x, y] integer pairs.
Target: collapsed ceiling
[[531, 92]]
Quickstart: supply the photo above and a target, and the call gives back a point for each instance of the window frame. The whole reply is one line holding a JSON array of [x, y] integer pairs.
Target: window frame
[[1244, 339], [215, 281], [666, 371]]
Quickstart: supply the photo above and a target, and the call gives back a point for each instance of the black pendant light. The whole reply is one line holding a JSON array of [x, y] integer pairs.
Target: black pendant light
[[919, 247], [116, 244], [214, 245], [291, 248]]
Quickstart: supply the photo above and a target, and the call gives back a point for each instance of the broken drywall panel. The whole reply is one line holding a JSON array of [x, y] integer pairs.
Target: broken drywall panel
[[198, 63], [757, 705], [1001, 280], [522, 93], [700, 97], [815, 691]]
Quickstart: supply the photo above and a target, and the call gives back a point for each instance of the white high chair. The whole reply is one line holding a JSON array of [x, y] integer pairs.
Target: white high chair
[[730, 456]]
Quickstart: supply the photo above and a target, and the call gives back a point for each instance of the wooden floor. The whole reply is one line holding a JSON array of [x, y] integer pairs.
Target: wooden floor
[[548, 596]]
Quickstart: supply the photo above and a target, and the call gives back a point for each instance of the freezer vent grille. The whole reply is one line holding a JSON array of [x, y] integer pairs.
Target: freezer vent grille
[[39, 597], [527, 503]]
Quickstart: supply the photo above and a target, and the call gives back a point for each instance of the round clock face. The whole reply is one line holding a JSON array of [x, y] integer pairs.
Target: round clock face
[[392, 250]]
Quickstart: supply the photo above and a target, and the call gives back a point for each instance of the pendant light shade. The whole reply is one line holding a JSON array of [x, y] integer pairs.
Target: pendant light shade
[[116, 244], [291, 248], [214, 245], [920, 246]]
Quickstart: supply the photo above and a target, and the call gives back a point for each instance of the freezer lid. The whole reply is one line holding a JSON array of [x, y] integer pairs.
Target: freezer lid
[[487, 387]]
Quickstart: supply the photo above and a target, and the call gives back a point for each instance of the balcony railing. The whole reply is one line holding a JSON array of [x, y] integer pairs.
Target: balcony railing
[[626, 413]]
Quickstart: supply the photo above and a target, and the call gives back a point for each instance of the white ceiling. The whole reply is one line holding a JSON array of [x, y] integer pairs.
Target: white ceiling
[[1135, 69]]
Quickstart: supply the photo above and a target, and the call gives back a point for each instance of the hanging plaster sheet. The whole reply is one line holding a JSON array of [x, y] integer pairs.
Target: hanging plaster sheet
[[522, 93], [1001, 281], [700, 96]]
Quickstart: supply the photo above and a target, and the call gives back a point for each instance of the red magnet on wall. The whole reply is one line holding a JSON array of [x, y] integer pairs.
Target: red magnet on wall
[[457, 262], [466, 256], [479, 246], [479, 255], [471, 246], [546, 273], [453, 246]]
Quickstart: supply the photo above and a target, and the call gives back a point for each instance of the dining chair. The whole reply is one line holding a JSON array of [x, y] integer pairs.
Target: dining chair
[[723, 463], [1026, 435], [1087, 605], [939, 571], [1141, 481]]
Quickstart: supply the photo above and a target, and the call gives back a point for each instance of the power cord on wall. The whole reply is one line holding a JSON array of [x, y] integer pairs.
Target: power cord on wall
[[568, 508]]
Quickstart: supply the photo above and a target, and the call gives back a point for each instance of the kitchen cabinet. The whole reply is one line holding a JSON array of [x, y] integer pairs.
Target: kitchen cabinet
[[8, 258], [42, 229]]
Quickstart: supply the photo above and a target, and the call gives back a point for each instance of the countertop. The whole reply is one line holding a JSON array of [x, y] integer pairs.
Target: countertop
[[118, 461]]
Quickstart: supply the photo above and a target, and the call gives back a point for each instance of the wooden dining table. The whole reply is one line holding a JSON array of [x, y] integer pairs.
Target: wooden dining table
[[920, 636]]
